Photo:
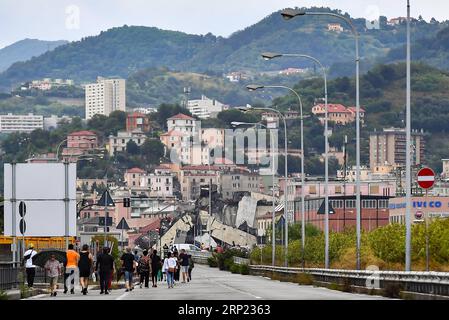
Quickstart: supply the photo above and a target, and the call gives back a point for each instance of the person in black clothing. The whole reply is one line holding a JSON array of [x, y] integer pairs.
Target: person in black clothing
[[128, 264], [191, 266], [166, 251], [177, 272], [85, 268], [106, 263], [155, 266]]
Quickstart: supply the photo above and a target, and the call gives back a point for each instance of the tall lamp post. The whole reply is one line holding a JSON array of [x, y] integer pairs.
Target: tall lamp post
[[253, 88], [273, 217], [269, 56], [408, 173], [256, 87], [289, 14]]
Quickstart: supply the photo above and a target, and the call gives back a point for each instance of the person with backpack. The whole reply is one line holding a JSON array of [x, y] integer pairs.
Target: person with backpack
[[29, 266], [144, 269]]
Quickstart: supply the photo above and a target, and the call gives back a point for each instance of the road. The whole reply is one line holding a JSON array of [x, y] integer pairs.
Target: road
[[212, 284]]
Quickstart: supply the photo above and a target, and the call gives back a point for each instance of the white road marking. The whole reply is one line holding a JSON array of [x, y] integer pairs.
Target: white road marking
[[123, 296], [237, 290]]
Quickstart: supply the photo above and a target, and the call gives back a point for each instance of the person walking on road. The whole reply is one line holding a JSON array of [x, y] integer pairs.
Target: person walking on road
[[53, 269], [144, 268], [128, 265], [184, 262], [166, 251], [105, 267], [155, 267], [85, 267], [178, 269], [29, 266], [71, 269], [191, 266], [170, 266]]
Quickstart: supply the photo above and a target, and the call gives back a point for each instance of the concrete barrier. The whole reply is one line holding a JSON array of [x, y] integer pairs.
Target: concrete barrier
[[434, 284]]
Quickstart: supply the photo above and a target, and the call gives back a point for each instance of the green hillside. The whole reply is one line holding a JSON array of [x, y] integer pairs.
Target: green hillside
[[128, 49], [383, 98]]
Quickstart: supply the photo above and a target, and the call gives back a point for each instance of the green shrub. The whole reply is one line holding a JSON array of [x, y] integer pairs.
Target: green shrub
[[244, 269], [234, 268], [212, 262], [3, 295]]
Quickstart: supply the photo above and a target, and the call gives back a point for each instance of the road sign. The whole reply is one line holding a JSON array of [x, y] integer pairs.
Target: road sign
[[123, 225], [419, 215], [321, 210], [22, 209], [106, 200], [108, 221], [426, 178], [22, 226]]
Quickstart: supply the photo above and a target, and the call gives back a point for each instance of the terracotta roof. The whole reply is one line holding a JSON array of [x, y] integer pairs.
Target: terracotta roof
[[181, 116], [83, 133], [203, 167], [163, 167], [149, 227], [335, 108], [135, 170], [353, 109]]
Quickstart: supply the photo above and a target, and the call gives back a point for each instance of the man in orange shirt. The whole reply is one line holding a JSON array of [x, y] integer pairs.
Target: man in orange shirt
[[71, 269]]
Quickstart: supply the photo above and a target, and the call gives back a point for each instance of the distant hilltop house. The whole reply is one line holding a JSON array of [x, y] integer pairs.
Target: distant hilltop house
[[47, 84], [336, 27], [399, 20], [290, 71], [338, 113], [236, 76]]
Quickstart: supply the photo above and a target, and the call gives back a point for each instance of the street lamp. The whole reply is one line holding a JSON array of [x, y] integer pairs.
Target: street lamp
[[289, 14], [273, 218], [270, 56], [254, 88]]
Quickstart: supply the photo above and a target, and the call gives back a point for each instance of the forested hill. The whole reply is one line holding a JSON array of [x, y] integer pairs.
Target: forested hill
[[125, 50], [383, 97]]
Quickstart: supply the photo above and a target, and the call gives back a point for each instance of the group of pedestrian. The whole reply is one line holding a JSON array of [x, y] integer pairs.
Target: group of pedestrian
[[174, 265], [82, 264]]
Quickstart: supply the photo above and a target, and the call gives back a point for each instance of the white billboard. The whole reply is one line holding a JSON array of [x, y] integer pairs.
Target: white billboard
[[42, 187]]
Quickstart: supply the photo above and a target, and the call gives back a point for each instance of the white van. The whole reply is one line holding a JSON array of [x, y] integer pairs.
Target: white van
[[186, 247]]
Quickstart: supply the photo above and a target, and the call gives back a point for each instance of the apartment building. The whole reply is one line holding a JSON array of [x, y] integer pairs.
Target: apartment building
[[195, 177], [338, 113], [137, 121], [235, 182], [118, 143], [387, 148], [205, 108], [20, 123], [160, 182], [105, 96]]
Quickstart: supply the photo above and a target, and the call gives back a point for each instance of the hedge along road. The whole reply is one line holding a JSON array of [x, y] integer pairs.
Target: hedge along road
[[212, 284]]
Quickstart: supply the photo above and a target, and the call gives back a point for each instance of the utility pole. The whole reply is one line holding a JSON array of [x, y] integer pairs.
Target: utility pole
[[408, 234], [345, 166]]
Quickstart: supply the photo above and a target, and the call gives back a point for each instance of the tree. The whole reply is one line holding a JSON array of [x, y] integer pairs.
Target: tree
[[152, 150], [132, 148]]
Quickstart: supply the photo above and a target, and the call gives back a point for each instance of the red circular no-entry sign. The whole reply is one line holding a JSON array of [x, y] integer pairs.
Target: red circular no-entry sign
[[426, 178]]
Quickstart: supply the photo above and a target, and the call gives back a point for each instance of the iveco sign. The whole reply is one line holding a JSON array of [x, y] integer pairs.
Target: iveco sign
[[419, 204]]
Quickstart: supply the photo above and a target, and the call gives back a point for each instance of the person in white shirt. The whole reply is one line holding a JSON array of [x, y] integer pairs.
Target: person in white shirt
[[170, 268], [29, 266]]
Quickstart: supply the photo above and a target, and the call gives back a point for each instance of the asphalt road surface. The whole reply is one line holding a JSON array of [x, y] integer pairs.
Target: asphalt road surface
[[212, 284]]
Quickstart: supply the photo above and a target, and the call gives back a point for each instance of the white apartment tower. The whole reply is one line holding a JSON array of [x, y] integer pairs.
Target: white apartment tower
[[105, 96]]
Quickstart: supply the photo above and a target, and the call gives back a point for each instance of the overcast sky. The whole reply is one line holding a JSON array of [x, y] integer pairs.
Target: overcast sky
[[74, 19]]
